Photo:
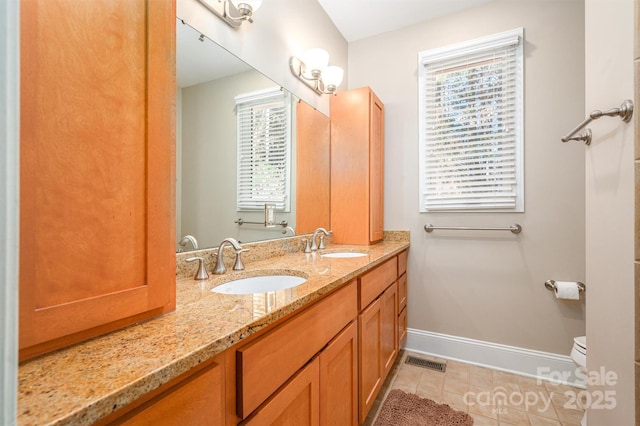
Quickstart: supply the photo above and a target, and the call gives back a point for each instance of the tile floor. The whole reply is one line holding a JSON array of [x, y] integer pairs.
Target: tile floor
[[492, 397]]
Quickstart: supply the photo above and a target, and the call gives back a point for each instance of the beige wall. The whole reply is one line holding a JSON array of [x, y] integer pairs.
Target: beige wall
[[209, 163], [490, 286], [282, 28], [609, 205]]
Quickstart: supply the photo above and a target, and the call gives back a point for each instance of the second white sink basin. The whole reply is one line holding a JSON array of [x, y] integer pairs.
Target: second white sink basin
[[260, 284], [344, 254]]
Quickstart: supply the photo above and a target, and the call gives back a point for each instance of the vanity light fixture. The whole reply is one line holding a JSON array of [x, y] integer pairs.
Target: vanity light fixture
[[233, 12], [313, 69]]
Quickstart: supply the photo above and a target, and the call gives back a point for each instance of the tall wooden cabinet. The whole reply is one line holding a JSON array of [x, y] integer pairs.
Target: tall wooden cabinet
[[97, 167], [357, 167], [312, 169]]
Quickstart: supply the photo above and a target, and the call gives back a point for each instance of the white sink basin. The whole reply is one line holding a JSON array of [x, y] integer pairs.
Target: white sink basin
[[344, 254], [261, 284]]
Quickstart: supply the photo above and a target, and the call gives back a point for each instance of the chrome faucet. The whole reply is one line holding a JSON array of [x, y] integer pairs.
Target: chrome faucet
[[238, 266], [188, 239], [201, 274], [288, 229], [314, 245]]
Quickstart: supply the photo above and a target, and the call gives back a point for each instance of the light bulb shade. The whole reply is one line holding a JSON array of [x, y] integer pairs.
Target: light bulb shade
[[255, 4], [315, 60], [332, 76]]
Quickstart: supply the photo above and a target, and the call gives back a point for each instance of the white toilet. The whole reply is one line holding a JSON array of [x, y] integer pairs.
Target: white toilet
[[579, 357]]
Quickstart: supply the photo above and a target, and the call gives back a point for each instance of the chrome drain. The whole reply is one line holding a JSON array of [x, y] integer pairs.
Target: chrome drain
[[425, 363]]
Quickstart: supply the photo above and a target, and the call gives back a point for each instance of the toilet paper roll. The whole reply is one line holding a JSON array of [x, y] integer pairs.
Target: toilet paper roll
[[567, 290]]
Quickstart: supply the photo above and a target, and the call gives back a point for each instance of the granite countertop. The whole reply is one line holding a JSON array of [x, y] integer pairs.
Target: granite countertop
[[80, 384]]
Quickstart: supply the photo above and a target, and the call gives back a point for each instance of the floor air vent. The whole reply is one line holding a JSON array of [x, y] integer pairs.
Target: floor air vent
[[424, 363]]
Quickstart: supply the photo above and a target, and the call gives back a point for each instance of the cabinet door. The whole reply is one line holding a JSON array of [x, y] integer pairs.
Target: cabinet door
[[266, 363], [97, 167], [313, 169], [196, 401], [370, 346], [357, 157], [295, 404], [376, 170], [350, 166], [402, 328], [389, 318], [339, 379]]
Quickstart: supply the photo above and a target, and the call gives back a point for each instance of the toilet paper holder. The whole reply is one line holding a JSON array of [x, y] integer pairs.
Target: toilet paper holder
[[551, 285]]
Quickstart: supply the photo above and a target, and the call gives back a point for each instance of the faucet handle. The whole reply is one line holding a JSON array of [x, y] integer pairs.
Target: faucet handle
[[321, 245], [307, 246], [239, 266], [201, 274]]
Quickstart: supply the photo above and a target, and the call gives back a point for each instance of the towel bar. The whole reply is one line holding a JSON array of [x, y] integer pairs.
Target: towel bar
[[625, 112], [516, 229], [241, 222]]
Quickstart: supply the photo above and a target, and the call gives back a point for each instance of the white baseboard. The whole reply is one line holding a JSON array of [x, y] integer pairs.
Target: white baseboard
[[511, 359]]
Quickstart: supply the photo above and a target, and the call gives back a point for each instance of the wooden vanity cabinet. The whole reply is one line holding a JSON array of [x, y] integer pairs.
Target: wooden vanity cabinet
[[324, 392], [322, 366], [97, 168], [265, 364], [377, 331], [357, 167]]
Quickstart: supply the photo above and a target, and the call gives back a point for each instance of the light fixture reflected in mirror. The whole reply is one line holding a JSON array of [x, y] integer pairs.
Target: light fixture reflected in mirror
[[233, 12], [313, 68]]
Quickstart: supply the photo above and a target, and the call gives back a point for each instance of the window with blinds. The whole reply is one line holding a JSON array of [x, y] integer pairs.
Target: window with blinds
[[471, 130], [264, 145]]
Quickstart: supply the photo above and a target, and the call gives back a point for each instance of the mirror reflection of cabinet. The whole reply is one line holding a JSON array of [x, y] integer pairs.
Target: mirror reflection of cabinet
[[357, 167], [313, 166], [97, 168]]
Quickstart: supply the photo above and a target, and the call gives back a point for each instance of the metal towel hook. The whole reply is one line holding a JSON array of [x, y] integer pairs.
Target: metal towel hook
[[625, 112]]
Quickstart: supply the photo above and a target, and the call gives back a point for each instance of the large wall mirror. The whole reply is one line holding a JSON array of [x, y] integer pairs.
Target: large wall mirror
[[215, 88]]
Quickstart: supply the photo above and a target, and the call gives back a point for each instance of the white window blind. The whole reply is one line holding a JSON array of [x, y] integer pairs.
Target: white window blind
[[264, 123], [471, 132]]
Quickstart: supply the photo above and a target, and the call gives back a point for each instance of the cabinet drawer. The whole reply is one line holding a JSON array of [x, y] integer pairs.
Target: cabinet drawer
[[402, 292], [374, 282], [266, 363], [402, 262]]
